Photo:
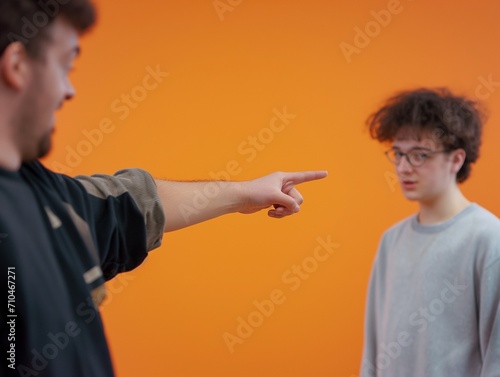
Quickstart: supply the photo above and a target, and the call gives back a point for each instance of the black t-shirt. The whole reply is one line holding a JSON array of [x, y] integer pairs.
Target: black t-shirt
[[58, 245]]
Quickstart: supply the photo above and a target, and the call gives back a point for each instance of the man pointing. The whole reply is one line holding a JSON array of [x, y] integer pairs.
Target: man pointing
[[62, 237]]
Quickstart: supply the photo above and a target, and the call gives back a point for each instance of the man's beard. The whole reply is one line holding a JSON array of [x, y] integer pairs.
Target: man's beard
[[34, 148], [45, 145]]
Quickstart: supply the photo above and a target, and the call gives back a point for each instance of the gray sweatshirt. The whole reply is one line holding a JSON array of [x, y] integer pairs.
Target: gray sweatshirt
[[433, 307]]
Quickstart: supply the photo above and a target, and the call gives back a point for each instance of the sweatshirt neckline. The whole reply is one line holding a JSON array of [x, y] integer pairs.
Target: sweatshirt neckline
[[434, 228], [9, 173]]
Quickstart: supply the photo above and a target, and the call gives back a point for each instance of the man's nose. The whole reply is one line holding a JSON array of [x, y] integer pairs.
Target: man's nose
[[404, 164]]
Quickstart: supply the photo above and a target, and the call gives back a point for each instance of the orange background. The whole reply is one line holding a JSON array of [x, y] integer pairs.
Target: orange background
[[168, 317]]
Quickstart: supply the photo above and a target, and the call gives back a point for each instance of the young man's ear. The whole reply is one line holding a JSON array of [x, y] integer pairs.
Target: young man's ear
[[14, 66], [458, 158]]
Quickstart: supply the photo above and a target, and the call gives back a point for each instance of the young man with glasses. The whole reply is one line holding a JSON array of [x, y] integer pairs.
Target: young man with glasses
[[434, 295]]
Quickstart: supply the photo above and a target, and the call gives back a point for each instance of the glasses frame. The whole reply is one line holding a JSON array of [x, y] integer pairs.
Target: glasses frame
[[428, 152]]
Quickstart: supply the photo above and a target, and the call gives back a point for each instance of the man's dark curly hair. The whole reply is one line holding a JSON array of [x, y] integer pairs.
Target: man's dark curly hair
[[27, 21], [454, 122]]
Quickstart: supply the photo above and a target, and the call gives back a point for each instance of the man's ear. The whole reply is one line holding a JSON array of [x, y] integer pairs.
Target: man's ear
[[14, 66], [458, 158]]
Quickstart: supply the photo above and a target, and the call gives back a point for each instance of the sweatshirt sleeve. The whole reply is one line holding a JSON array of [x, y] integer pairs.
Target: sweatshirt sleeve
[[368, 362], [142, 188], [489, 317], [127, 215]]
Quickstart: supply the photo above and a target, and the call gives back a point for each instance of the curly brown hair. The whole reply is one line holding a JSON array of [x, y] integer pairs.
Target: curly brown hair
[[27, 21], [453, 121]]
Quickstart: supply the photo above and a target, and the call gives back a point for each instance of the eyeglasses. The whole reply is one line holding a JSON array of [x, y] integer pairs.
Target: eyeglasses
[[415, 158]]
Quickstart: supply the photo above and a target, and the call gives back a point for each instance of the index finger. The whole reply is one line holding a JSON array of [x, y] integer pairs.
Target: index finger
[[306, 176]]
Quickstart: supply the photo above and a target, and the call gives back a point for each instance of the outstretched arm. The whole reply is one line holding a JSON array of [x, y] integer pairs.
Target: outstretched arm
[[189, 203]]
